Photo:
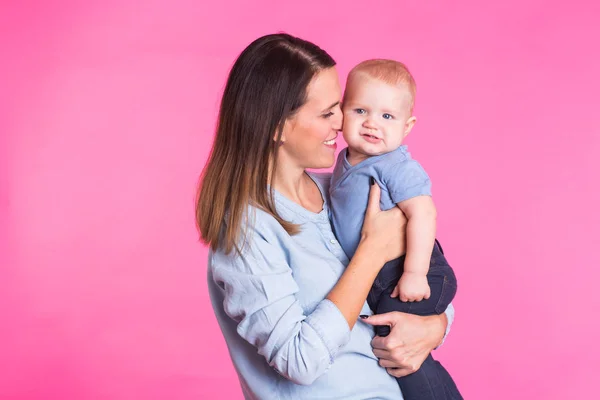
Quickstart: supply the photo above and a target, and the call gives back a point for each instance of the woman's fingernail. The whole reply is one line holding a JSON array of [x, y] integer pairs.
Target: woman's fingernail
[[364, 316], [372, 181]]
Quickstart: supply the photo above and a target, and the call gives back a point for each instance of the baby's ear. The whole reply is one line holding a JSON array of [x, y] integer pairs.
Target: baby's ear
[[410, 123]]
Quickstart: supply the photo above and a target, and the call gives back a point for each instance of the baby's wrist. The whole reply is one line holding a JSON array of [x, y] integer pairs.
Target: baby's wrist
[[415, 273]]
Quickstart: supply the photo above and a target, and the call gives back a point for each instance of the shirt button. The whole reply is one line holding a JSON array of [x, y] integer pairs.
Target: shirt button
[[333, 241]]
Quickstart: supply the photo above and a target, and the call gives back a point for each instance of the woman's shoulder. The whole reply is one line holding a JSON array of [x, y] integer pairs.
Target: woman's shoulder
[[260, 247], [256, 225]]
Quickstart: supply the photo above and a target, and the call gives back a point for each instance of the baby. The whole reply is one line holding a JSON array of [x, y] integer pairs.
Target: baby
[[377, 106]]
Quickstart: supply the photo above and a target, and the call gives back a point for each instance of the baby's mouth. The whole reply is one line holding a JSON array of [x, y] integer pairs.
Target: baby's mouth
[[370, 138]]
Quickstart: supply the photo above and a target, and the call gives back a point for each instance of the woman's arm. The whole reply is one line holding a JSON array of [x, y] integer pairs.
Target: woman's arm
[[259, 294]]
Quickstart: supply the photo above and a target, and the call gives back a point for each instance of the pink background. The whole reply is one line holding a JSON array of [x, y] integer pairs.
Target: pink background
[[106, 118]]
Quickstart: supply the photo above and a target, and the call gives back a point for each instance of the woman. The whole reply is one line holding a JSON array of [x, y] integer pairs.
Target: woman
[[285, 295]]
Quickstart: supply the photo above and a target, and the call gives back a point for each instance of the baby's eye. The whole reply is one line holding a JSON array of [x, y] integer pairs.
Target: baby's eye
[[359, 110], [388, 116]]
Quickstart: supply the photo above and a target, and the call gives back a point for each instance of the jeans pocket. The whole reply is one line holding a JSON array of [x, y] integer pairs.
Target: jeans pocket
[[447, 294]]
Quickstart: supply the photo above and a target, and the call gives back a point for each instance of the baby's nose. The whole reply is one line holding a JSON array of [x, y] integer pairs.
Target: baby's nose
[[369, 123]]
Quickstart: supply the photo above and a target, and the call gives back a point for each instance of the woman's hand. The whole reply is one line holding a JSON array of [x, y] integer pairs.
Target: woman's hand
[[410, 341], [383, 232]]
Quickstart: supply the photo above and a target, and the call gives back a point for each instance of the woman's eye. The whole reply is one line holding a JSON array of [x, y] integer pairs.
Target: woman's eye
[[359, 111], [387, 116], [329, 114]]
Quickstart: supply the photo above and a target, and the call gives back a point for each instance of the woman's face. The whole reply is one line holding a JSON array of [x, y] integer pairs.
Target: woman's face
[[309, 136]]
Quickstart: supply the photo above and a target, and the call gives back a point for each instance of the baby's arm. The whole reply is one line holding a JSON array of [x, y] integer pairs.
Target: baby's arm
[[420, 232]]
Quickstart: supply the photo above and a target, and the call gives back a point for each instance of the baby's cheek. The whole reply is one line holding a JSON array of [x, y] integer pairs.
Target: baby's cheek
[[346, 123], [350, 127]]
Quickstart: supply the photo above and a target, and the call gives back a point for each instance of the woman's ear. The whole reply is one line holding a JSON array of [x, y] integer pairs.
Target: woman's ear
[[285, 129], [281, 130]]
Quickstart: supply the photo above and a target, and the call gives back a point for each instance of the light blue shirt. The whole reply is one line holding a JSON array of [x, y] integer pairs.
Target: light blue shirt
[[397, 173], [286, 340]]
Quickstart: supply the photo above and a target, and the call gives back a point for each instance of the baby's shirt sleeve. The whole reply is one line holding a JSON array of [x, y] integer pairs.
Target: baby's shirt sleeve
[[405, 180]]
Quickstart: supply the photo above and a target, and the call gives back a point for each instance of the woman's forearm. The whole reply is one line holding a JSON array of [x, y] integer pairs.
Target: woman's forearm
[[351, 291]]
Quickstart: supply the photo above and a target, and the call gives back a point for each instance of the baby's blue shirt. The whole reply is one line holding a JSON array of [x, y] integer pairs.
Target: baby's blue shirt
[[399, 176]]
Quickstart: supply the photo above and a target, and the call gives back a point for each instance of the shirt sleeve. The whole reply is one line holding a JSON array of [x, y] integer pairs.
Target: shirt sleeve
[[406, 180], [259, 294], [450, 316]]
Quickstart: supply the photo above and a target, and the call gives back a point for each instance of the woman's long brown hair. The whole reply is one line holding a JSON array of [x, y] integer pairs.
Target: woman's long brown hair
[[266, 86]]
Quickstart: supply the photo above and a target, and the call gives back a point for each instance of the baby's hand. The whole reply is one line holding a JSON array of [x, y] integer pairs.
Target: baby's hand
[[412, 287]]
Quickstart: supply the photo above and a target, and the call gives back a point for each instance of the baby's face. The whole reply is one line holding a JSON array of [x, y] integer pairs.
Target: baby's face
[[377, 116]]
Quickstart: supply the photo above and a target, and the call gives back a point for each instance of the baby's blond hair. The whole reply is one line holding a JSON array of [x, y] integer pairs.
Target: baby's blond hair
[[389, 71]]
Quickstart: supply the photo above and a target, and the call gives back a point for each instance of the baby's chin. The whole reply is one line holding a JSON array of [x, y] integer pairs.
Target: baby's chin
[[359, 150], [369, 151]]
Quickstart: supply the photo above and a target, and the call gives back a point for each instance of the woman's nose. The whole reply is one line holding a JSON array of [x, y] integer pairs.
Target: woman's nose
[[338, 120]]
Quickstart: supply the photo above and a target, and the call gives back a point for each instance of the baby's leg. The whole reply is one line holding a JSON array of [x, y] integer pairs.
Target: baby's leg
[[431, 381], [379, 296], [442, 283]]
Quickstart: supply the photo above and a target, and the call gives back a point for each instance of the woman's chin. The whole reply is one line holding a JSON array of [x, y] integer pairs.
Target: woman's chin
[[324, 163], [327, 165]]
